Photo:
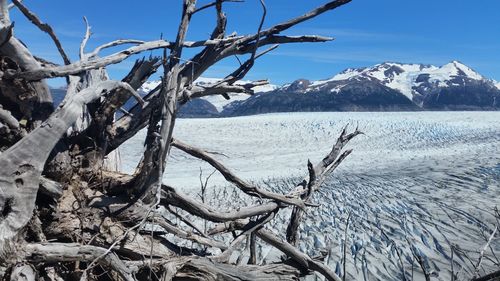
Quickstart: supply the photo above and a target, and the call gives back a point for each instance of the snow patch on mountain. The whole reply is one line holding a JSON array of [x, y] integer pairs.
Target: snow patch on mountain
[[337, 89], [344, 75], [148, 86], [497, 84], [404, 81], [449, 71]]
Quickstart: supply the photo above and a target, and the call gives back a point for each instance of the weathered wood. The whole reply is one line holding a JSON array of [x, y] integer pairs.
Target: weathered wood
[[296, 255], [80, 66], [9, 120], [23, 163], [220, 89], [23, 272], [204, 269], [77, 67], [147, 185], [85, 39], [317, 175], [104, 115], [98, 217], [59, 252], [50, 187], [171, 196], [32, 99]]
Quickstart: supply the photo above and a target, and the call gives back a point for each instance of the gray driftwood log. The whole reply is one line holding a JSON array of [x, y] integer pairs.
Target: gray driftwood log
[[65, 215]]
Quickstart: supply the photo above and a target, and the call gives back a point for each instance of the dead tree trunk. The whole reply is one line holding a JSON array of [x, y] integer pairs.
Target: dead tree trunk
[[105, 225]]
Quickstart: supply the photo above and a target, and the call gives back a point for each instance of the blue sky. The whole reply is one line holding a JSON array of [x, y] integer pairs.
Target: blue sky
[[366, 31]]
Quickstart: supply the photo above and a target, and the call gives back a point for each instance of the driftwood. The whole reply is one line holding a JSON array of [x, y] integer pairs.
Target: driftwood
[[64, 216]]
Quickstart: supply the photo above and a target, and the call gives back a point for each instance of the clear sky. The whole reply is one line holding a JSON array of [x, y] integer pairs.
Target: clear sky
[[366, 31]]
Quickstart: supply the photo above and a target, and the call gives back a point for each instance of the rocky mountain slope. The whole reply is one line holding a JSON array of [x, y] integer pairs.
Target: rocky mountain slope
[[298, 97]]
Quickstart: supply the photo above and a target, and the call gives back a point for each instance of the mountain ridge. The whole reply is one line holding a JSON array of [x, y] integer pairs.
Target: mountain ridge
[[453, 86], [388, 86]]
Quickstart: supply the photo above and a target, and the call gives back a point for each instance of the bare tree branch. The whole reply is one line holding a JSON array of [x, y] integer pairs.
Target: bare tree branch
[[148, 183], [220, 89], [64, 252], [11, 5], [481, 254], [85, 39], [188, 235], [231, 177], [214, 4], [4, 13], [111, 44], [78, 67], [174, 198], [44, 27], [307, 16], [317, 175]]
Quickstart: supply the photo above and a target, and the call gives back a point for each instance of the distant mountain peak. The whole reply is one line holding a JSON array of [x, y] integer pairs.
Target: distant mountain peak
[[298, 85], [384, 86], [457, 68], [407, 77]]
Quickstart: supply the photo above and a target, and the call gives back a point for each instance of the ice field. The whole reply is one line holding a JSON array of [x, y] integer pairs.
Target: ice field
[[417, 185]]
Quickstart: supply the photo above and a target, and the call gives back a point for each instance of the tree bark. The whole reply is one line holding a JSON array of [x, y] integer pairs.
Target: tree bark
[[64, 213]]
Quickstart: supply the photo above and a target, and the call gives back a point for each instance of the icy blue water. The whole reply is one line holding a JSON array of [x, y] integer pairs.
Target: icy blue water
[[416, 185]]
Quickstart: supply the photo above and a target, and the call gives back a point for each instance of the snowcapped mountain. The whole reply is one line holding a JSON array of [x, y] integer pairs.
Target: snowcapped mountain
[[412, 80], [386, 86]]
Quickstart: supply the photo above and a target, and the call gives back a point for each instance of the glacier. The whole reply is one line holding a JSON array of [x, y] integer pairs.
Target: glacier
[[417, 185]]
